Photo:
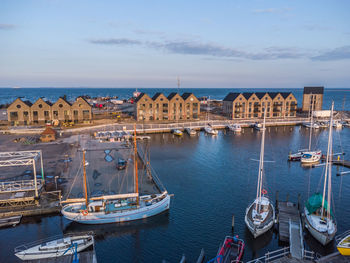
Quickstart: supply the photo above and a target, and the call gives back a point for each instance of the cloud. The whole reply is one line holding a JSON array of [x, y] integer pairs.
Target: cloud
[[339, 53], [272, 10], [116, 41], [208, 49], [7, 26]]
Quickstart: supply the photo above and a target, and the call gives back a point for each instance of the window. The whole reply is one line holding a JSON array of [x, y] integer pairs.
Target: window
[[18, 106], [75, 113], [40, 106], [13, 115], [25, 113], [161, 99], [55, 114], [86, 114], [60, 105], [66, 113], [46, 113], [35, 113]]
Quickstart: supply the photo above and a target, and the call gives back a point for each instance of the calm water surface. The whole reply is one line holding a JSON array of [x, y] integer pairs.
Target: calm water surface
[[211, 178]]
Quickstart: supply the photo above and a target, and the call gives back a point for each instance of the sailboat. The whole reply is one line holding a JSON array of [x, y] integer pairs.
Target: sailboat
[[307, 156], [208, 129], [260, 215], [319, 219], [115, 208]]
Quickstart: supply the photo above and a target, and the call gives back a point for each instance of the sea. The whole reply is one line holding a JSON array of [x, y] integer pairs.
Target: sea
[[212, 180]]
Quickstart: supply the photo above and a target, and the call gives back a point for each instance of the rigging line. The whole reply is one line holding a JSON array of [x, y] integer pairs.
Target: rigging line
[[75, 178]]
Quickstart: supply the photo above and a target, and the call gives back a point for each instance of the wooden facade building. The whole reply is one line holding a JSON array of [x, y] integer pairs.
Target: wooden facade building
[[312, 98], [248, 105], [160, 107]]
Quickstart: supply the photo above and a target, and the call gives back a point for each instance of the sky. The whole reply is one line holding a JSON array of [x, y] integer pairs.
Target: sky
[[207, 44]]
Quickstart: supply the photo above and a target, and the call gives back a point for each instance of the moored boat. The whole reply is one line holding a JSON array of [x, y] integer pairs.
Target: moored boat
[[235, 127], [10, 221], [296, 156], [311, 125], [230, 251], [190, 131], [260, 215], [208, 129], [343, 243], [337, 124], [311, 157], [54, 247], [115, 208], [258, 126], [319, 219], [177, 132]]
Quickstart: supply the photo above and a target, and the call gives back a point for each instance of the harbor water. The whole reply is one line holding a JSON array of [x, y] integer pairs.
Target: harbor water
[[212, 179]]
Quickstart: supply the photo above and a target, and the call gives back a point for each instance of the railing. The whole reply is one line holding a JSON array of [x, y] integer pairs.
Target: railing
[[14, 186], [309, 255], [270, 256]]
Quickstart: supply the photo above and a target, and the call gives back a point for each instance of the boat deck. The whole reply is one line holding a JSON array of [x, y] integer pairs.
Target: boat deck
[[267, 219]]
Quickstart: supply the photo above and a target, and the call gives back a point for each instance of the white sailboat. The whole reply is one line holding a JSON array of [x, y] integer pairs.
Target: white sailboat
[[208, 129], [260, 215], [319, 219], [309, 156], [54, 247], [116, 208]]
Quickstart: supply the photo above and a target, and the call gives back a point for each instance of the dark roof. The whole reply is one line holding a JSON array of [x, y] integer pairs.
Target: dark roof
[[27, 102], [231, 96], [247, 95], [260, 94], [273, 94], [285, 94], [156, 95], [140, 96], [172, 95], [313, 90], [84, 100], [65, 101], [186, 95]]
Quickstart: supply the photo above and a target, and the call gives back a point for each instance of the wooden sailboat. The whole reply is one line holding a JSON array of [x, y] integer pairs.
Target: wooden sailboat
[[319, 219], [116, 208], [260, 215]]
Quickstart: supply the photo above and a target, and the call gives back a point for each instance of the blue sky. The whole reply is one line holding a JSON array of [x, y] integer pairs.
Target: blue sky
[[208, 44]]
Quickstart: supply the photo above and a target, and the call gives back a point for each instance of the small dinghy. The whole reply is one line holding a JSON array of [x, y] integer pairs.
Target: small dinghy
[[10, 221], [177, 132], [343, 245], [190, 131], [235, 127], [230, 251], [52, 248]]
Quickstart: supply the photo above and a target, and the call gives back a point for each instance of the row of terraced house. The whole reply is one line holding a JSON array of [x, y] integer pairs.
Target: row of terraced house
[[23, 112], [173, 107], [252, 105]]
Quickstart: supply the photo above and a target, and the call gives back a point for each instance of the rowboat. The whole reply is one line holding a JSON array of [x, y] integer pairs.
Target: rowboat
[[230, 251], [10, 221], [343, 245], [53, 247]]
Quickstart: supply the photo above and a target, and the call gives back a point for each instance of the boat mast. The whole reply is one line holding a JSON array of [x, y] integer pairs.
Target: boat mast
[[261, 165], [311, 121], [136, 178], [328, 167], [85, 186]]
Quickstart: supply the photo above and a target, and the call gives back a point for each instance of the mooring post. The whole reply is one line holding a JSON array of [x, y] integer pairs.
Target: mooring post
[[233, 224]]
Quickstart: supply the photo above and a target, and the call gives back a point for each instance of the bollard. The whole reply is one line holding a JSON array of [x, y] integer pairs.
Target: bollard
[[233, 224]]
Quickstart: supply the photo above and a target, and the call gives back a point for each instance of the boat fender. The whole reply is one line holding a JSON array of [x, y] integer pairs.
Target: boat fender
[[84, 212], [263, 191]]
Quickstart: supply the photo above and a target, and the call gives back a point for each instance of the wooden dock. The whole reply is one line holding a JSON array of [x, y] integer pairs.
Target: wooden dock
[[342, 163], [335, 257]]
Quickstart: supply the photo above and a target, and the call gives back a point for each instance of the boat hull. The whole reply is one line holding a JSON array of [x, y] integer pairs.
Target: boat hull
[[35, 254], [323, 237], [118, 217], [255, 230], [344, 251]]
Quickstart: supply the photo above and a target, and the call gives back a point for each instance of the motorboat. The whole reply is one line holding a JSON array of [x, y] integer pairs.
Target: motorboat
[[343, 243], [311, 125], [191, 131], [296, 156], [121, 164], [260, 214], [235, 127], [322, 124], [258, 126], [53, 247], [209, 130], [10, 221], [319, 218], [311, 157], [230, 251], [337, 124], [177, 132]]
